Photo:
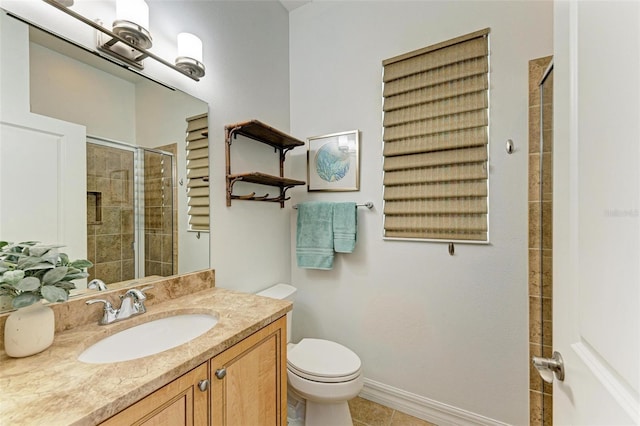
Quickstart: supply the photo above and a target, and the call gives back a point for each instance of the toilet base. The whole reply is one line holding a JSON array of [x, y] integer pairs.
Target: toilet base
[[323, 414]]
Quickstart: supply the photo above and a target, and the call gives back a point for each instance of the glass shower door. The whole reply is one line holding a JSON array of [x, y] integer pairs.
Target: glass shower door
[[130, 211]]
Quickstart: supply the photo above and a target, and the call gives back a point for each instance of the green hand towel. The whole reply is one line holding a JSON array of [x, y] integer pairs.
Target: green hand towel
[[345, 227], [314, 235]]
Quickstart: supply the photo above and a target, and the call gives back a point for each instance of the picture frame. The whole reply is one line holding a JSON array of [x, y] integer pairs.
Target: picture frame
[[333, 162]]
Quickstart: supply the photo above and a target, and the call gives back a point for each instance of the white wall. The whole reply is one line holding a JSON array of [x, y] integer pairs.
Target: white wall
[[246, 57], [72, 91], [452, 329]]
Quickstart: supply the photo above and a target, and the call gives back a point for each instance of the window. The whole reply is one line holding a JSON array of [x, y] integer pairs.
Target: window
[[198, 172], [436, 107]]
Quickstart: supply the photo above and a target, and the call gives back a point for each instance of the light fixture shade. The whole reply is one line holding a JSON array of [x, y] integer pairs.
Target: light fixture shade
[[132, 22], [189, 57], [135, 11], [190, 46]]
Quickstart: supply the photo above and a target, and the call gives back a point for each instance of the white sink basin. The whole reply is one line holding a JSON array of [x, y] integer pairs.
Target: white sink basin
[[149, 338]]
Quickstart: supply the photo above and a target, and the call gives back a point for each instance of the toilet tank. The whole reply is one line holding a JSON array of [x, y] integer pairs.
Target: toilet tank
[[282, 291]]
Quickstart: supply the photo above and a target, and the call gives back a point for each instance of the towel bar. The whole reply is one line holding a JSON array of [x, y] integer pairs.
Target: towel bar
[[368, 205]]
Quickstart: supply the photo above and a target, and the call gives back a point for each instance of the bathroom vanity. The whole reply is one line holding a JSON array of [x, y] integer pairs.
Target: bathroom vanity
[[236, 371]]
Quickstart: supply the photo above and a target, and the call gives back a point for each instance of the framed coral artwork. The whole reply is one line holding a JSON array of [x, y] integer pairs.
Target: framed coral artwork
[[333, 162]]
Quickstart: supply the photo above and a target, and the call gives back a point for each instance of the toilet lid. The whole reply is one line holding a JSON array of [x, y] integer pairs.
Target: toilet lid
[[323, 361]]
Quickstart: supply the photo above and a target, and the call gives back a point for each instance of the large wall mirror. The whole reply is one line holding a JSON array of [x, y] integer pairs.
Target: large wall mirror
[[137, 204]]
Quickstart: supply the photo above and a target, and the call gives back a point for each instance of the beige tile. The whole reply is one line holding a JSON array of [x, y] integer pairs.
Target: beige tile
[[370, 413], [547, 273], [547, 418], [153, 268], [100, 162], [535, 323], [402, 419], [167, 248], [127, 241], [547, 116], [91, 248], [111, 222], [128, 270], [547, 140], [91, 183], [536, 68], [547, 309], [113, 160], [153, 247], [534, 271], [127, 222], [535, 408], [167, 269], [534, 129], [110, 272], [534, 177], [547, 225], [547, 176], [534, 225], [547, 333], [167, 220], [108, 248]]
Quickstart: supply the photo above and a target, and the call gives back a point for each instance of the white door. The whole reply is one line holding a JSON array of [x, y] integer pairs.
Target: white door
[[42, 160], [596, 222]]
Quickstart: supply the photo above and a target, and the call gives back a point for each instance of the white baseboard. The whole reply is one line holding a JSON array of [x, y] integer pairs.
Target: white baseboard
[[421, 407]]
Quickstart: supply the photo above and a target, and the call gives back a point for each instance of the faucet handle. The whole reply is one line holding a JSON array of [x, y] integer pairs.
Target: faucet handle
[[107, 304], [136, 294], [108, 314]]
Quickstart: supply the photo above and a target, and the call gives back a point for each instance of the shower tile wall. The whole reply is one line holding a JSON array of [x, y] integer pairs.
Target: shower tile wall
[[158, 199], [540, 240], [110, 220]]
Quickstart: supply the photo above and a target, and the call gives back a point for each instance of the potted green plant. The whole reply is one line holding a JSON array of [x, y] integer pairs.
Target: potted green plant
[[30, 273]]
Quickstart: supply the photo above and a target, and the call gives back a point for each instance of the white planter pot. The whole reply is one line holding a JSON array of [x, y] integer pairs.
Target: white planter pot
[[29, 330]]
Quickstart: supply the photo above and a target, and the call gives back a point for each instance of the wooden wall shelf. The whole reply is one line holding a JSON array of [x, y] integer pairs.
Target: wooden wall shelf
[[262, 133]]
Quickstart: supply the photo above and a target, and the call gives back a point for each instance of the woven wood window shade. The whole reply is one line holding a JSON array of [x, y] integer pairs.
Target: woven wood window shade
[[198, 172], [436, 107]]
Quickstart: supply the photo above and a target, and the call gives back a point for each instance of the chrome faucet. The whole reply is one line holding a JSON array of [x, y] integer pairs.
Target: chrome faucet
[[97, 285], [132, 304]]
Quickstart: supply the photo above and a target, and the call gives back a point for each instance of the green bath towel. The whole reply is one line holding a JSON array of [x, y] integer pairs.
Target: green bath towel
[[345, 227], [314, 236]]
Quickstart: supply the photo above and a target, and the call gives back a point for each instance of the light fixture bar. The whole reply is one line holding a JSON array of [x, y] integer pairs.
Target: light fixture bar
[[116, 38]]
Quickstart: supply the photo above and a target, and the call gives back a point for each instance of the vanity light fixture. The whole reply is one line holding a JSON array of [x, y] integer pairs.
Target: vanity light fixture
[[130, 38], [190, 54]]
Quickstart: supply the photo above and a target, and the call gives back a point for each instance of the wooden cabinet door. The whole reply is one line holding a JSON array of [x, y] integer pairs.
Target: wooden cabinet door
[[181, 402], [249, 380]]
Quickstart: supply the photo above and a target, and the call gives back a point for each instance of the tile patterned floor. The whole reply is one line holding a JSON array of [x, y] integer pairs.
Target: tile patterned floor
[[368, 413]]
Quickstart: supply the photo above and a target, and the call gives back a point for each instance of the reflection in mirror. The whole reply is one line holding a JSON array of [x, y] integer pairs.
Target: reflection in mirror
[[137, 222]]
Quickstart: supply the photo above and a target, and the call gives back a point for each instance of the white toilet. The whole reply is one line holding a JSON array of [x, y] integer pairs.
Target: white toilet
[[323, 373]]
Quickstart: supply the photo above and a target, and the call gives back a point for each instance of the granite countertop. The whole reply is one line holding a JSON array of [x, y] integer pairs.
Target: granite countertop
[[54, 388]]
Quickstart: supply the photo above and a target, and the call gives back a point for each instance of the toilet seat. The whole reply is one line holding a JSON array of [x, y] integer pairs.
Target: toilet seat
[[323, 361]]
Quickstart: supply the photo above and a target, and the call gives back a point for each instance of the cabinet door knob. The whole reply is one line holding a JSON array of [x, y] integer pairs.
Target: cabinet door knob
[[203, 385], [221, 372]]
